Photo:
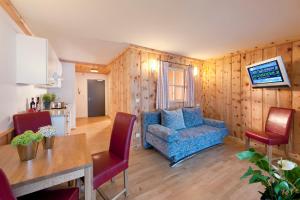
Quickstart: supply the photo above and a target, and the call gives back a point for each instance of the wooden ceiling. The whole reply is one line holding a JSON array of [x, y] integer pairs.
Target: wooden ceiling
[[86, 68]]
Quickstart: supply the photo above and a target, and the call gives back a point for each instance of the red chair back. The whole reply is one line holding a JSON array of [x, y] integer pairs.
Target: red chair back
[[121, 135], [31, 121], [279, 121], [5, 190]]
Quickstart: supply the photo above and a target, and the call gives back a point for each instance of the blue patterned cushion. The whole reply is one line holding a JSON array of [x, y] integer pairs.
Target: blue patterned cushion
[[192, 117], [166, 134], [172, 119]]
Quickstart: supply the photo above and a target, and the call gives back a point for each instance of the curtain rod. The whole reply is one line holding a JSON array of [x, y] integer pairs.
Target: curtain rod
[[176, 63]]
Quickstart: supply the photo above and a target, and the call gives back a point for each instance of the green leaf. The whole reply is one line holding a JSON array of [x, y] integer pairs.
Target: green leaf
[[248, 173], [256, 157], [292, 175], [263, 164], [283, 185], [245, 155], [256, 178], [297, 183]]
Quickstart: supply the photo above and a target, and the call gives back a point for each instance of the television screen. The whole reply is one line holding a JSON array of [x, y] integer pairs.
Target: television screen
[[269, 73]]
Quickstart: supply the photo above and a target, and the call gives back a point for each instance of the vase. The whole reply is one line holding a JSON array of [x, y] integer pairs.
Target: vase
[[48, 142], [47, 105], [27, 152]]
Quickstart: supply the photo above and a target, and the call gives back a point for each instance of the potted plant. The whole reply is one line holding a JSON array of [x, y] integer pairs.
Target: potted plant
[[281, 181], [48, 133], [47, 99], [27, 144]]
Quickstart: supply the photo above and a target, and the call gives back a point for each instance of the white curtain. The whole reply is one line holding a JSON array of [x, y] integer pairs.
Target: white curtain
[[162, 95], [189, 100]]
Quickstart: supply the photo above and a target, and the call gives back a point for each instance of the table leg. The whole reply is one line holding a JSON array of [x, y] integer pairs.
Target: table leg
[[89, 193]]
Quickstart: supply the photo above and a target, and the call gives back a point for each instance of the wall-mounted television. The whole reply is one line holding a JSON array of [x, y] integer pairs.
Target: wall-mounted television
[[268, 73]]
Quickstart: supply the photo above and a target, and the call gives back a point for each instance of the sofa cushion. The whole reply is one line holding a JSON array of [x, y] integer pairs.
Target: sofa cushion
[[192, 117], [199, 131], [164, 133], [172, 119]]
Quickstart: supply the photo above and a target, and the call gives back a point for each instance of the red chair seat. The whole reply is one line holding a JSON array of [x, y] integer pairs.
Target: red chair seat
[[61, 194], [105, 166], [267, 137]]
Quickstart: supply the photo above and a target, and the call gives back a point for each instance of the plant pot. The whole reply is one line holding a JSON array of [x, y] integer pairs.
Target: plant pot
[[47, 105], [48, 142], [27, 152]]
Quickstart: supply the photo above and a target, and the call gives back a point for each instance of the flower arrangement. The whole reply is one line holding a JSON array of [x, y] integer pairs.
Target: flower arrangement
[[281, 182], [26, 138], [47, 131]]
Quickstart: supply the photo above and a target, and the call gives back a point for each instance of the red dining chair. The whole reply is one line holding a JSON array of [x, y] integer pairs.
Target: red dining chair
[[31, 121], [276, 132], [109, 163], [61, 194]]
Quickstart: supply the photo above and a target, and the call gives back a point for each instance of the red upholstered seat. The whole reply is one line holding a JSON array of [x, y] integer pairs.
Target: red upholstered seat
[[277, 129], [62, 194], [108, 164], [267, 137], [31, 121]]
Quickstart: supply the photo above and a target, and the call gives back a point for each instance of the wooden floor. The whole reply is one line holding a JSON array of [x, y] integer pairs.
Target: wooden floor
[[213, 174]]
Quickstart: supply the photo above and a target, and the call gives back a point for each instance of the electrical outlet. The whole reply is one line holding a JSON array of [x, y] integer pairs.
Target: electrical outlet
[[197, 104], [137, 100], [137, 135]]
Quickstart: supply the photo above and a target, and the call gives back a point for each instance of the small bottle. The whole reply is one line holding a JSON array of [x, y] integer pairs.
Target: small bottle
[[32, 104], [38, 104]]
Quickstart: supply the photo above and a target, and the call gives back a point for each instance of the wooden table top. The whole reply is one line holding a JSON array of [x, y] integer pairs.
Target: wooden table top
[[68, 154]]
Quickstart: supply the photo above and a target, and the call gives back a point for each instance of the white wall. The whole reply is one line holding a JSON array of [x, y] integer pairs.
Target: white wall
[[67, 92], [81, 92], [13, 96]]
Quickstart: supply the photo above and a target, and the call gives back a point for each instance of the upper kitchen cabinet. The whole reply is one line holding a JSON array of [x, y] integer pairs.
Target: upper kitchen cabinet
[[37, 63]]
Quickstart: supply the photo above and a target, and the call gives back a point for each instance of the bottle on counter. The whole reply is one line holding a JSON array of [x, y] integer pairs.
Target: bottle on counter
[[38, 104], [32, 104]]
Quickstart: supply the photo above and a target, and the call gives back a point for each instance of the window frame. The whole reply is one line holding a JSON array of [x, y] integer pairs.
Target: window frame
[[173, 69]]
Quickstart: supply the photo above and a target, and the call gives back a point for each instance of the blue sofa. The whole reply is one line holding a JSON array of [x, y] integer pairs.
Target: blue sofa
[[178, 145]]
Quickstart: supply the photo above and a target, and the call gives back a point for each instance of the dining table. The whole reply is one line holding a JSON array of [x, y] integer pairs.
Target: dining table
[[68, 160]]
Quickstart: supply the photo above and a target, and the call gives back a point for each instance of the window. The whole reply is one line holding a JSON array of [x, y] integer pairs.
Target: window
[[176, 85]]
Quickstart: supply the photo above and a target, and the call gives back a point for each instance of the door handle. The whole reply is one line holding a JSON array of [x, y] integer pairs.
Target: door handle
[[89, 98]]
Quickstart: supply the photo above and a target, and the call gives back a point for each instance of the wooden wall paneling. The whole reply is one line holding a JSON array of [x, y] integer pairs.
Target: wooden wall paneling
[[219, 89], [269, 94], [153, 80], [257, 98], [285, 95], [246, 110], [212, 89], [296, 97], [205, 89], [227, 92], [135, 75], [145, 70], [236, 95]]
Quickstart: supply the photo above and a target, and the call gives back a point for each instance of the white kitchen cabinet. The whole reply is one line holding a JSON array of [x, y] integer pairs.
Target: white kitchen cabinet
[[37, 62]]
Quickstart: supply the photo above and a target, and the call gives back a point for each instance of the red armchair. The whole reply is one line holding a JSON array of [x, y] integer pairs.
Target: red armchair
[[62, 194], [108, 164], [31, 121], [276, 132]]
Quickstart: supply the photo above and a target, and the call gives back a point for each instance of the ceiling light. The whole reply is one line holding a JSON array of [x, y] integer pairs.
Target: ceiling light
[[94, 71]]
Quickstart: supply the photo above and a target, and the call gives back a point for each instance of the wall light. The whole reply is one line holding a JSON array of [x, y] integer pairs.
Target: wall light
[[195, 72], [153, 65]]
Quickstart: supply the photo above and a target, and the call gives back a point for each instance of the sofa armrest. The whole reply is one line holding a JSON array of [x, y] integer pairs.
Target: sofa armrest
[[164, 133], [214, 123]]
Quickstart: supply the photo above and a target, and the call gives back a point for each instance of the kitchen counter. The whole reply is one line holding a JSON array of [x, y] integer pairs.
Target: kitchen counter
[[59, 112]]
